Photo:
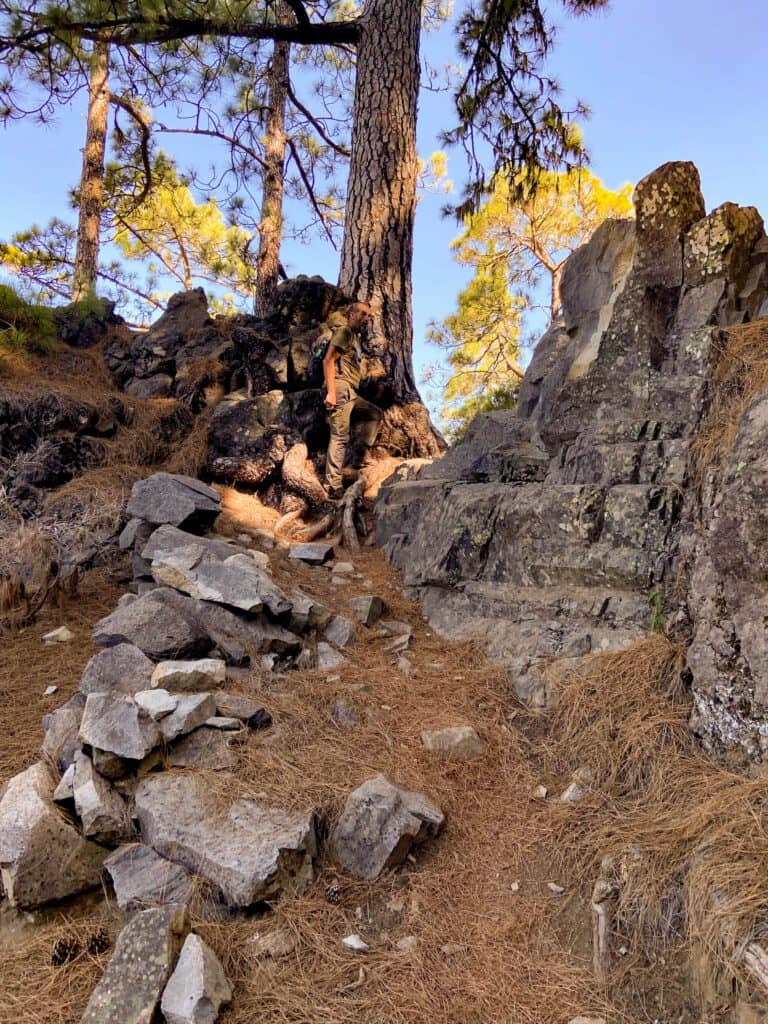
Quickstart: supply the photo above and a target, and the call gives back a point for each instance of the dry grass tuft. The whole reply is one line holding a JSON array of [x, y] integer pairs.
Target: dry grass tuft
[[684, 841], [741, 373]]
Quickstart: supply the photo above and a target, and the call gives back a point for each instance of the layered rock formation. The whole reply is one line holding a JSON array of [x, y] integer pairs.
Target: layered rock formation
[[569, 525]]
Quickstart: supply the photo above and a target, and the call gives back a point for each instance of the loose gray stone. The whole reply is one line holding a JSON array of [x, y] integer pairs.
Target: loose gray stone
[[192, 710], [251, 854], [119, 669], [61, 732], [391, 627], [142, 878], [237, 582], [198, 987], [118, 726], [175, 499], [343, 568], [204, 748], [313, 554], [145, 952], [43, 858], [307, 613], [64, 792], [378, 826], [154, 627], [129, 533], [190, 676], [459, 741], [277, 943], [101, 809], [49, 691], [249, 711], [62, 635], [368, 609], [340, 631], [157, 703], [223, 723], [327, 658], [343, 713]]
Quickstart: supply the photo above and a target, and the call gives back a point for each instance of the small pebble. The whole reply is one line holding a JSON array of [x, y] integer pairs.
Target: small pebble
[[515, 887], [407, 943], [356, 943], [540, 793], [452, 948], [50, 690], [555, 888]]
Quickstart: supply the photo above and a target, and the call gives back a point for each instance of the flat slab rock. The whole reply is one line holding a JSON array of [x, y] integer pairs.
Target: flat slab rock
[[204, 748], [379, 825], [237, 582], [156, 628], [251, 853], [173, 498], [31, 828], [313, 554], [142, 878], [460, 741], [145, 953], [198, 987]]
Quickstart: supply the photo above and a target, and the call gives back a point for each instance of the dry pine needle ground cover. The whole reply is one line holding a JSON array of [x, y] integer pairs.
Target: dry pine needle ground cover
[[516, 952]]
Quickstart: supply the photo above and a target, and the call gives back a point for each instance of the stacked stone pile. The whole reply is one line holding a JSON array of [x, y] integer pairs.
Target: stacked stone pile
[[569, 525], [117, 796]]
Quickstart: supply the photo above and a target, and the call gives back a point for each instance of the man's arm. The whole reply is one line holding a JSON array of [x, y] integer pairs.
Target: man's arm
[[329, 375]]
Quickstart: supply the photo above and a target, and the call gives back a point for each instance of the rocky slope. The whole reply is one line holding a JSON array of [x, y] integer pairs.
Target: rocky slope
[[572, 524]]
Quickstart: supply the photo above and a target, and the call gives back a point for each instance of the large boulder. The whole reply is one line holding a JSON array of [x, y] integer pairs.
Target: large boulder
[[251, 854], [43, 858], [120, 669], [556, 529]]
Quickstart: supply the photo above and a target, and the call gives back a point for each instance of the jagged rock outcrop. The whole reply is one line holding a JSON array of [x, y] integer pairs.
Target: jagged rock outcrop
[[564, 527]]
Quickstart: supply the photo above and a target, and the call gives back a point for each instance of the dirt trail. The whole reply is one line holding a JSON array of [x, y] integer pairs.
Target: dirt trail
[[487, 939]]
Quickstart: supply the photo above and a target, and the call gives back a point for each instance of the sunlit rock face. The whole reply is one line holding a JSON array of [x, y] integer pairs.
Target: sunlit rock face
[[568, 525]]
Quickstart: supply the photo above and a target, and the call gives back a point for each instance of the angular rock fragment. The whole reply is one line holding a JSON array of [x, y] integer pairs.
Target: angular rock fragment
[[142, 878], [61, 732], [157, 703], [378, 826], [101, 809], [192, 710], [391, 627], [368, 609], [64, 792], [251, 853], [202, 675], [198, 987], [307, 613], [145, 953], [312, 554], [223, 723], [340, 631], [249, 711], [204, 748], [119, 669], [173, 498], [62, 635], [43, 858], [460, 741], [118, 726], [153, 626]]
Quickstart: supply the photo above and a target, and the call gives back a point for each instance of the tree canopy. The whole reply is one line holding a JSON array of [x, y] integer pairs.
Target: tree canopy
[[516, 250]]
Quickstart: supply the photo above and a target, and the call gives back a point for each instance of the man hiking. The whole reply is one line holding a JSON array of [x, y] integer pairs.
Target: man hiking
[[341, 373]]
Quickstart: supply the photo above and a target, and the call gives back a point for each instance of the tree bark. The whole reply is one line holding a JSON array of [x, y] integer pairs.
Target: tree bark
[[377, 251], [271, 226], [92, 176]]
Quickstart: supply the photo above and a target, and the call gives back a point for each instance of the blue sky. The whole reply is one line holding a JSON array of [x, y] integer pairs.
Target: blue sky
[[665, 80]]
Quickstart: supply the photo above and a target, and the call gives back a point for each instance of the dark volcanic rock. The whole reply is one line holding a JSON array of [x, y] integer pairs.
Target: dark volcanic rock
[[559, 528]]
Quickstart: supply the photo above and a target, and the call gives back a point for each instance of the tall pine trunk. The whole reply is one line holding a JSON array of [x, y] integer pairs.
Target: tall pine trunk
[[378, 231], [271, 226], [92, 177]]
